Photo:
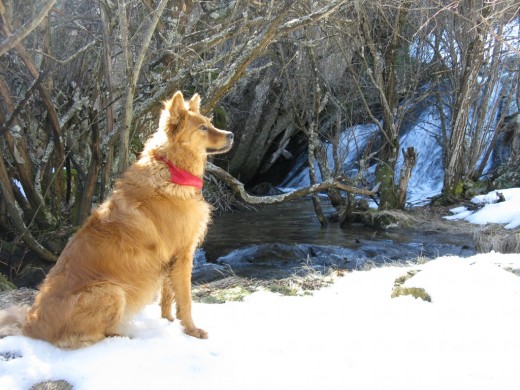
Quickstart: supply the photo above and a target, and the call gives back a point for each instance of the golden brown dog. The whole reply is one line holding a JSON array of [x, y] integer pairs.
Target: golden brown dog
[[139, 241]]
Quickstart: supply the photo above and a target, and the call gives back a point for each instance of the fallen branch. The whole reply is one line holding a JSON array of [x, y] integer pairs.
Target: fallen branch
[[238, 187]]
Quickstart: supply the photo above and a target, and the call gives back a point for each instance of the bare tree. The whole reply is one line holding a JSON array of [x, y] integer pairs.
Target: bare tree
[[387, 76], [82, 80], [81, 83], [473, 85]]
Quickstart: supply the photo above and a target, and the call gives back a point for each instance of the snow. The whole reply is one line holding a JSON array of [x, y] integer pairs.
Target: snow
[[352, 143], [349, 335], [507, 213], [427, 175]]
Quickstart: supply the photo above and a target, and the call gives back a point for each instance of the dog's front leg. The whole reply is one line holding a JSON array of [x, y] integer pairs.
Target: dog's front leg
[[179, 279], [167, 297]]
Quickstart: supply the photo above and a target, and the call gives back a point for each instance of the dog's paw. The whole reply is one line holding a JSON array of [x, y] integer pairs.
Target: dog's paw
[[169, 317], [196, 332], [166, 312]]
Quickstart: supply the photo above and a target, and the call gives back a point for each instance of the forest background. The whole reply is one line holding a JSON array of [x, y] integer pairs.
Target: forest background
[[81, 85]]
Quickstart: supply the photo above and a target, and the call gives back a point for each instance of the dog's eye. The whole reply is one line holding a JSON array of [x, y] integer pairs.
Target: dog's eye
[[203, 128]]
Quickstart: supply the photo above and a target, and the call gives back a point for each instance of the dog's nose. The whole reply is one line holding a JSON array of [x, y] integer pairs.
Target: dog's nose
[[230, 137]]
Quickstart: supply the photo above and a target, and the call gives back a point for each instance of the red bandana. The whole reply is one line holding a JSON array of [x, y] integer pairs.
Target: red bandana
[[180, 176]]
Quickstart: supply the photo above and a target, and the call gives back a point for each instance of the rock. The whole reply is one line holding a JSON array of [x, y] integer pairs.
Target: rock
[[387, 219], [52, 385], [265, 189], [267, 261], [506, 154], [21, 296], [6, 356], [508, 176], [494, 237], [30, 276]]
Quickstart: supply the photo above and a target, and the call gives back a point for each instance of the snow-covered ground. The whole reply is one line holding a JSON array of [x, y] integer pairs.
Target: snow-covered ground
[[507, 213], [351, 335]]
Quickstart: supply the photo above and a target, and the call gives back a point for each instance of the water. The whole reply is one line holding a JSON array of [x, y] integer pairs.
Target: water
[[427, 176], [291, 222], [275, 240]]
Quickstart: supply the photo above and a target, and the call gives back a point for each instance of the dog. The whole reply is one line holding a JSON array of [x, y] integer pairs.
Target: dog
[[138, 242]]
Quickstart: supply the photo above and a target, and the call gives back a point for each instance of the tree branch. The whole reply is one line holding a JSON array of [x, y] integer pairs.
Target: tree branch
[[16, 217], [238, 187], [13, 40]]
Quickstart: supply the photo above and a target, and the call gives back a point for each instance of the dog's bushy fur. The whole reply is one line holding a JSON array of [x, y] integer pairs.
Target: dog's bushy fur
[[139, 241]]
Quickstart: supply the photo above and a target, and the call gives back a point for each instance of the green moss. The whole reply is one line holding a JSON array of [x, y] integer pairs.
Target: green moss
[[5, 284], [459, 189], [220, 118], [416, 292], [387, 191], [474, 188]]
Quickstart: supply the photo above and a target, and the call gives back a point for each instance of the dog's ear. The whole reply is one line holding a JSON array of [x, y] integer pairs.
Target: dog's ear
[[194, 103], [177, 108]]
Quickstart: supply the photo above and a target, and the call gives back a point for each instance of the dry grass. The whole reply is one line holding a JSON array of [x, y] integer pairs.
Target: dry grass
[[385, 219], [236, 288], [496, 238]]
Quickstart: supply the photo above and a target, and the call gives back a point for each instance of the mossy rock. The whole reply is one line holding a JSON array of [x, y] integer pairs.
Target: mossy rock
[[508, 179], [387, 219], [52, 385], [5, 285], [416, 292], [401, 279], [474, 188]]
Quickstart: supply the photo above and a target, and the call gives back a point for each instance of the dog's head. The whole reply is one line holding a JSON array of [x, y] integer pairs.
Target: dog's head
[[185, 126]]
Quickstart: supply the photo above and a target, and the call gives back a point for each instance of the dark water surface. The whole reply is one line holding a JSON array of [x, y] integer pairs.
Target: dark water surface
[[251, 236], [291, 222]]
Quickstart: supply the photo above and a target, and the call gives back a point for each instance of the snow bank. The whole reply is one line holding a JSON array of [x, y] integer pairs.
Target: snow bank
[[350, 335], [507, 212]]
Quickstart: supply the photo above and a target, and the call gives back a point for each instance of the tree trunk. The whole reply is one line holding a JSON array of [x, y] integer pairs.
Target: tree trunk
[[385, 174], [90, 182], [382, 68], [410, 159], [454, 172]]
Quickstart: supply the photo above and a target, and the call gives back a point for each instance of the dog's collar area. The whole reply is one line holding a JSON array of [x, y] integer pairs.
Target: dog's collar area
[[180, 176]]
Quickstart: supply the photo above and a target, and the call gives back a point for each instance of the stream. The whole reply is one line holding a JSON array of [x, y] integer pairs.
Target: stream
[[279, 240]]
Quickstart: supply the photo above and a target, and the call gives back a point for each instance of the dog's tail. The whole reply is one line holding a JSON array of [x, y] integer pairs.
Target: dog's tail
[[12, 320]]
